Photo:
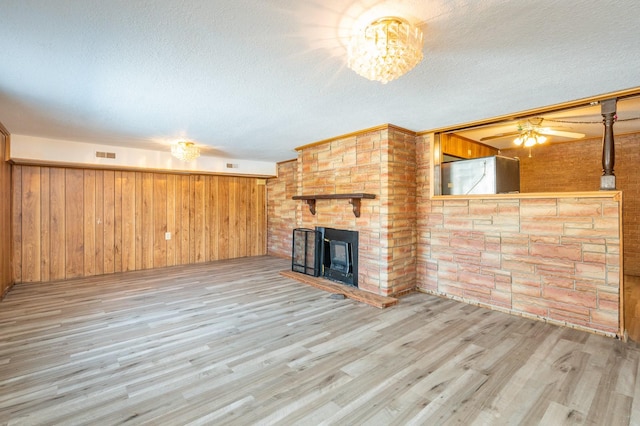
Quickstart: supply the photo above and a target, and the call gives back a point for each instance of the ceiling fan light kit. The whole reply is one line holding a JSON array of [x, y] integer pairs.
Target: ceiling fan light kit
[[529, 132], [385, 49], [530, 138]]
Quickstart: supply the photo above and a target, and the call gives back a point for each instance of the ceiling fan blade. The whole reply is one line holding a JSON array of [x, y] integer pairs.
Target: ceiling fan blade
[[499, 135], [561, 133]]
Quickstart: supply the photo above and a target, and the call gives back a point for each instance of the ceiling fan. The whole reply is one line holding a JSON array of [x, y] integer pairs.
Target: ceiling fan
[[530, 132]]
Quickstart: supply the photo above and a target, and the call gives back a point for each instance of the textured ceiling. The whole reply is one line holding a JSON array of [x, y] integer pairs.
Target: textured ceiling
[[253, 79]]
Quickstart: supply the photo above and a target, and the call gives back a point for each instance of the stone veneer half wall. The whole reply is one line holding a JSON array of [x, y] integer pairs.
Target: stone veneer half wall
[[577, 166], [551, 256]]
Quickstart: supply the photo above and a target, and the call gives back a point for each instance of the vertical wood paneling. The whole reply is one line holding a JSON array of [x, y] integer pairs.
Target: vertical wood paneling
[[57, 224], [199, 219], [109, 221], [70, 222], [128, 220], [251, 216], [16, 220], [138, 219], [89, 222], [262, 220], [74, 217], [159, 220], [117, 223], [31, 224], [45, 225], [257, 218], [147, 220], [192, 220], [99, 232], [223, 217], [6, 214], [212, 218], [207, 223], [185, 214], [233, 217], [171, 219], [241, 215]]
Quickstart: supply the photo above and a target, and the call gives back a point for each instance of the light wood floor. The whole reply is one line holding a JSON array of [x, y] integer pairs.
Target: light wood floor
[[234, 342]]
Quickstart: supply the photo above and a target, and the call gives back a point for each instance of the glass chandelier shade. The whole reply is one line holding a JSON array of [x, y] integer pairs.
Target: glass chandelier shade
[[529, 138], [185, 151], [385, 50]]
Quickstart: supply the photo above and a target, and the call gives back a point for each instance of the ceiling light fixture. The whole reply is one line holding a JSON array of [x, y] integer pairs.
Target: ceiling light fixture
[[185, 151], [385, 50], [529, 138], [530, 133]]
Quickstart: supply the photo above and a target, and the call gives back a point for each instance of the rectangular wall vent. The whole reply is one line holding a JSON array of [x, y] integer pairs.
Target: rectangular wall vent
[[232, 166], [101, 154]]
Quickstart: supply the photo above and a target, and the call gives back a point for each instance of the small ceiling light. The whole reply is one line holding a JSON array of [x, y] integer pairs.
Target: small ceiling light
[[185, 151], [385, 50], [530, 138], [530, 133]]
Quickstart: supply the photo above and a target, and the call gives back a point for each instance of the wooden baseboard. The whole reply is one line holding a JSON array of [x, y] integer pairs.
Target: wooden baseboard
[[350, 292]]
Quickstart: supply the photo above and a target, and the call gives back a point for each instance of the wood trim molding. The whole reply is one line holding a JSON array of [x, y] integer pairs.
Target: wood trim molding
[[4, 130], [31, 162], [7, 149], [287, 161], [615, 195], [620, 94], [358, 133], [6, 153]]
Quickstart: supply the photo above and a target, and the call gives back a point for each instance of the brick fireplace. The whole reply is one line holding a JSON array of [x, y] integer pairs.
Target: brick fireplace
[[381, 162], [552, 256]]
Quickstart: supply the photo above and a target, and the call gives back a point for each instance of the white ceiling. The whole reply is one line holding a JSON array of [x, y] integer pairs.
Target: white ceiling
[[253, 79]]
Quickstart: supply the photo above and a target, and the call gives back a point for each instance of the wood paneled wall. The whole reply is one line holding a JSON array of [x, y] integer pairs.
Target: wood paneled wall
[[80, 222], [5, 216], [461, 147]]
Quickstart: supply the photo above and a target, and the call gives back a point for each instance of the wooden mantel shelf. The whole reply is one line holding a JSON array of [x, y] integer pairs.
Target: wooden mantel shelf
[[354, 200]]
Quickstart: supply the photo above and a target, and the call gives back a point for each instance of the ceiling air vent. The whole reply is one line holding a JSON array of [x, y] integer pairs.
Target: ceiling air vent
[[101, 154]]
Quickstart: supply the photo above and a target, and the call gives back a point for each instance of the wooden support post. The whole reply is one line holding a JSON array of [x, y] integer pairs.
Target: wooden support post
[[608, 178]]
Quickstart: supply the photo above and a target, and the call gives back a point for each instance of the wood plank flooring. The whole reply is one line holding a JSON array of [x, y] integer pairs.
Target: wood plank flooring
[[345, 290], [234, 342]]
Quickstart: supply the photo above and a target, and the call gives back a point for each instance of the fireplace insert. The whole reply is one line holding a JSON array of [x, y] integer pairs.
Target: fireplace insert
[[328, 252], [340, 255]]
